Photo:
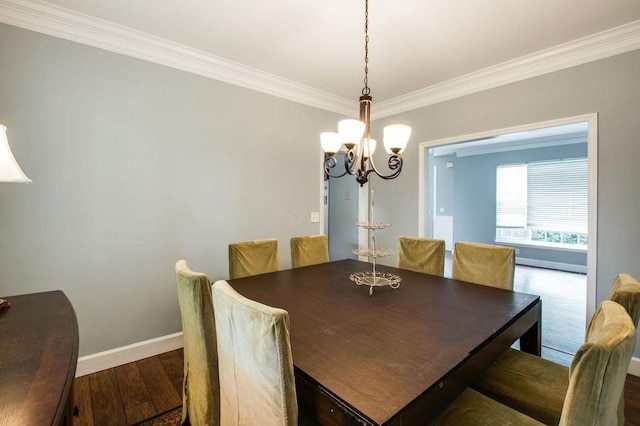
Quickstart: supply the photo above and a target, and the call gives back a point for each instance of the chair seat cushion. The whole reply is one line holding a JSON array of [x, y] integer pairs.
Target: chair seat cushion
[[527, 383], [473, 408]]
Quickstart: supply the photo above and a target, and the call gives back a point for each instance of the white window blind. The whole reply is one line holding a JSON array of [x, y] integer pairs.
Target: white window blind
[[511, 196], [557, 195]]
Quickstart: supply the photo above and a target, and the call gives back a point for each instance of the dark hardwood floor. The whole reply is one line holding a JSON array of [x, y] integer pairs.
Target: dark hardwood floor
[[134, 393]]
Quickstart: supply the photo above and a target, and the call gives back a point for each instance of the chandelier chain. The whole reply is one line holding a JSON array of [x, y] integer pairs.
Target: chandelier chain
[[366, 90]]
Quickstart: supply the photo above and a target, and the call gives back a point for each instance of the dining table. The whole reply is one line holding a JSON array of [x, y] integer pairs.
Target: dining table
[[399, 355]]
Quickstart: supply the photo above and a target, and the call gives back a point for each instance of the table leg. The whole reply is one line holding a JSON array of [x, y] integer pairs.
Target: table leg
[[530, 341]]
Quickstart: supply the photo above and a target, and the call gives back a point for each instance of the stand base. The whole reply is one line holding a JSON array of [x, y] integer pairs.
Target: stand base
[[379, 279]]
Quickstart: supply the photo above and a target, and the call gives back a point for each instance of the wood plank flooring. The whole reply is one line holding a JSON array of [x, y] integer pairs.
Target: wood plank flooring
[[135, 392], [130, 393]]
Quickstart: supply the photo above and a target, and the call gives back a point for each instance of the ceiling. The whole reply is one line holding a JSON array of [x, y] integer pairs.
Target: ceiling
[[414, 44]]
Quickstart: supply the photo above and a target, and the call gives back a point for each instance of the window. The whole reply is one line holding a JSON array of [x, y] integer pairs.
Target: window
[[543, 203]]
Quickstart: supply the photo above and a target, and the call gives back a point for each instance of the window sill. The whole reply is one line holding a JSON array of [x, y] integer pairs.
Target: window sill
[[558, 247]]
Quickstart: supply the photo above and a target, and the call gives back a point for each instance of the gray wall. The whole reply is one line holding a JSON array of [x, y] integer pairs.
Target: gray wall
[[610, 87], [135, 166], [467, 191]]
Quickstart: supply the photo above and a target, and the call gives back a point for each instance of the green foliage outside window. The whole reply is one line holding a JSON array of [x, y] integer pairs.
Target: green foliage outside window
[[558, 237], [538, 236]]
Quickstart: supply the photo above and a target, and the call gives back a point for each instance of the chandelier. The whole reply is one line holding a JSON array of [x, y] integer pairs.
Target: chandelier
[[355, 135]]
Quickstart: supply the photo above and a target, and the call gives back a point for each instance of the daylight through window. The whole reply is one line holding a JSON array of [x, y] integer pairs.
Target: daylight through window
[[543, 203]]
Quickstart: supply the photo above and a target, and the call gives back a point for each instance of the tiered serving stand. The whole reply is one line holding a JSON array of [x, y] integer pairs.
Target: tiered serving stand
[[374, 278]]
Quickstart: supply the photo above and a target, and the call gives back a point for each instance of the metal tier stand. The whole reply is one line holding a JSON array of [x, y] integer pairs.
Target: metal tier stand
[[374, 278]]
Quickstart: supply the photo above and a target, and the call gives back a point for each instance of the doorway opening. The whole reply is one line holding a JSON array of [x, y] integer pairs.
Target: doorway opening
[[462, 199]]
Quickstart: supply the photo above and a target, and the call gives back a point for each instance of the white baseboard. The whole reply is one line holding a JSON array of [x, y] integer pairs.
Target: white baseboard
[[569, 267], [130, 353], [634, 367], [137, 351]]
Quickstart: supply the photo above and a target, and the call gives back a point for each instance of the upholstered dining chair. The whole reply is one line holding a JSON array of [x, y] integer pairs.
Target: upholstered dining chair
[[596, 380], [421, 255], [257, 385], [253, 257], [536, 386], [484, 264], [309, 250], [200, 390]]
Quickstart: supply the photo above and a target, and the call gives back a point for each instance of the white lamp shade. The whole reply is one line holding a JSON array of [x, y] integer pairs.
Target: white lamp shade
[[10, 171], [396, 137], [350, 131], [330, 142], [369, 148]]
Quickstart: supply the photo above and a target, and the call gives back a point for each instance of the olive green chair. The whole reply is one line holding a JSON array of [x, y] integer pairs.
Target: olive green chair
[[484, 264], [536, 386], [309, 250], [257, 384], [421, 255], [200, 390], [255, 257], [596, 380]]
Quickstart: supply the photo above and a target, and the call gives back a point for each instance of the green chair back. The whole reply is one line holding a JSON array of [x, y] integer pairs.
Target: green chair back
[[309, 250], [201, 389], [599, 368], [421, 255], [484, 264], [257, 384], [625, 291], [253, 257]]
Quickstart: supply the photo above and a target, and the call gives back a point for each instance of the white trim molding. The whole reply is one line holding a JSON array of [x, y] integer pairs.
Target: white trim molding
[[605, 44], [634, 367], [81, 28], [114, 357], [568, 267], [71, 25]]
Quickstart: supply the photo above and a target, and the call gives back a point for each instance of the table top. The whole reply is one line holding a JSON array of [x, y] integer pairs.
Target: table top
[[379, 353], [38, 357]]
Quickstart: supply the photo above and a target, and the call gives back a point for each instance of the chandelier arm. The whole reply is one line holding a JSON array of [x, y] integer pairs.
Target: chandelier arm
[[329, 163], [349, 161], [394, 162]]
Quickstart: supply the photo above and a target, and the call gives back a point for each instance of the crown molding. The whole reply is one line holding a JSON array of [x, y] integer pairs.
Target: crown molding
[[70, 25], [615, 41]]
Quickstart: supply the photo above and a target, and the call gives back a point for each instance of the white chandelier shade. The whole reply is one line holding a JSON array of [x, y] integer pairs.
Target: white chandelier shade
[[396, 137], [10, 171]]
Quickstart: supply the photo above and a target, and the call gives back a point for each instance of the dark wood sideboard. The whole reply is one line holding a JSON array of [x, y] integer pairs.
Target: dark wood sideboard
[[38, 358]]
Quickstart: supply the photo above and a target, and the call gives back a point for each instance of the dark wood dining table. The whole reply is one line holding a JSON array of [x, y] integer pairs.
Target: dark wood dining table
[[399, 356]]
